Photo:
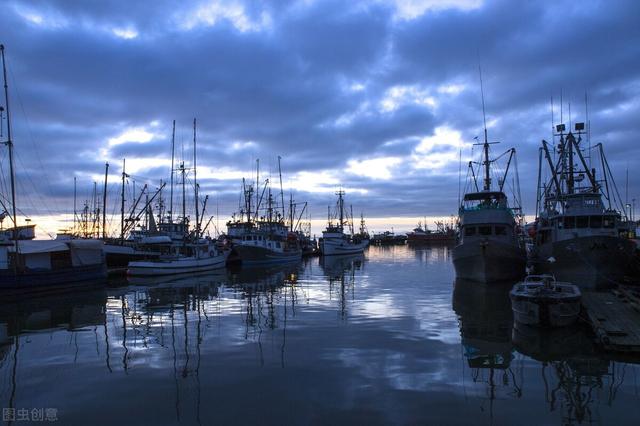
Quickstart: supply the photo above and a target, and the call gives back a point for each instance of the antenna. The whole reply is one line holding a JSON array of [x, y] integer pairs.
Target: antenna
[[484, 116]]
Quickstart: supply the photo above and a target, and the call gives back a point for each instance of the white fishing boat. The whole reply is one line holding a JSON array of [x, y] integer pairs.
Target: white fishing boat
[[542, 301], [204, 257], [190, 252], [334, 240]]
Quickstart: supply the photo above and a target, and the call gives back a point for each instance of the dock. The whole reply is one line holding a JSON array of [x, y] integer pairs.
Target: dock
[[615, 319]]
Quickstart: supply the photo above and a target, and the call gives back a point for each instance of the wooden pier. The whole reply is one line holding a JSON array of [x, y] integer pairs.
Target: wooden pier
[[615, 318]]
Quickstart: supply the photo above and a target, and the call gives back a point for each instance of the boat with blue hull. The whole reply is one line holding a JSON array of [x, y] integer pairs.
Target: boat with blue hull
[[35, 265]]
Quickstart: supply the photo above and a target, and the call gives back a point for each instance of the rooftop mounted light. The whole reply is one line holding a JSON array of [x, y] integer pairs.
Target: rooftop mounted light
[[560, 128], [579, 126]]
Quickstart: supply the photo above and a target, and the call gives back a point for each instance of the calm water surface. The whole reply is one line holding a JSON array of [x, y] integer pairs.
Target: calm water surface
[[384, 338]]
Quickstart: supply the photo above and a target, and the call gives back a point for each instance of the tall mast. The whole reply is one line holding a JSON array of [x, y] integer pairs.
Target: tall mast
[[281, 193], [75, 213], [104, 202], [9, 144], [341, 207], [184, 200], [173, 144], [487, 178], [124, 175], [195, 178], [257, 185]]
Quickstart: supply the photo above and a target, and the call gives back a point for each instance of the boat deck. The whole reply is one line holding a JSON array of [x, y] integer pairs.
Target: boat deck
[[615, 319]]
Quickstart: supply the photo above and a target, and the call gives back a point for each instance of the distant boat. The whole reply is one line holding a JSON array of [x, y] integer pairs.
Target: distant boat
[[490, 244], [444, 233], [388, 238], [577, 223], [27, 264], [334, 239], [542, 301]]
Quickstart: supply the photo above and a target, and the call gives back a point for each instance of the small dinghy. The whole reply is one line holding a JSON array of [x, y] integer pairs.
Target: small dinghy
[[542, 301]]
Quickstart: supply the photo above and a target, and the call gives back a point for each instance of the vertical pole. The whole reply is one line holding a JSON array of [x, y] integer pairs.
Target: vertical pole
[[195, 180], [281, 193], [173, 143], [75, 213], [9, 144], [104, 202], [124, 175]]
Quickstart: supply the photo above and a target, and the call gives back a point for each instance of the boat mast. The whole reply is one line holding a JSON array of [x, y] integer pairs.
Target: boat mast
[[487, 178], [104, 202], [9, 144], [195, 179], [184, 202], [341, 207], [281, 193], [124, 175], [257, 185], [75, 213], [173, 144]]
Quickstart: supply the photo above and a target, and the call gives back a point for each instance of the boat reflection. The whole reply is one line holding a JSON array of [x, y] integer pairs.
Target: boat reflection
[[340, 271], [485, 321], [573, 373]]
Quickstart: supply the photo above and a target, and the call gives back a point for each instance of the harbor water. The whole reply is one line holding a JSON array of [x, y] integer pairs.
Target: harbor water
[[385, 338]]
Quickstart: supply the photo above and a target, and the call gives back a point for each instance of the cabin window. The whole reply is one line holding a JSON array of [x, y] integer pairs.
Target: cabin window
[[501, 230], [608, 222], [582, 221], [469, 231], [596, 221], [278, 244], [569, 222], [484, 230]]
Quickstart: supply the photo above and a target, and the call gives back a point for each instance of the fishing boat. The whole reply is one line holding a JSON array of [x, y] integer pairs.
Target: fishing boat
[[542, 301], [490, 244], [580, 219], [259, 234], [193, 253], [194, 257], [334, 239], [444, 233], [28, 264]]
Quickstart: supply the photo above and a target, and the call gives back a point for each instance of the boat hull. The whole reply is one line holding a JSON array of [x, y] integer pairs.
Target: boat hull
[[176, 266], [489, 261], [592, 262], [334, 248], [255, 255], [44, 279], [545, 312]]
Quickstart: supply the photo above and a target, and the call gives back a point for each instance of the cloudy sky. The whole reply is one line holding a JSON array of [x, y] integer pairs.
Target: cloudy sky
[[377, 97]]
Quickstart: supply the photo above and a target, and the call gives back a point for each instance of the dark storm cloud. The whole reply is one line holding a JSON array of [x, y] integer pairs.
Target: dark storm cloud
[[307, 80]]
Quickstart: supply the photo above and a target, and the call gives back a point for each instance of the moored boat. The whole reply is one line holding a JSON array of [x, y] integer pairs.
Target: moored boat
[[334, 239], [542, 301], [577, 222], [205, 256]]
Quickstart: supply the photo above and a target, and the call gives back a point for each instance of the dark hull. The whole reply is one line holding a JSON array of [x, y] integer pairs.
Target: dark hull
[[252, 255], [57, 279], [589, 262], [430, 239], [489, 261]]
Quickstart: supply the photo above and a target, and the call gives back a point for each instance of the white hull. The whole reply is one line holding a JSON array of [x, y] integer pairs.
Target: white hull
[[176, 266], [330, 247]]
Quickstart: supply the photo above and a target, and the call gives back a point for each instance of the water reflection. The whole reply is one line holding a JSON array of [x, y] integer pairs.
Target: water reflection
[[486, 320], [344, 340]]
